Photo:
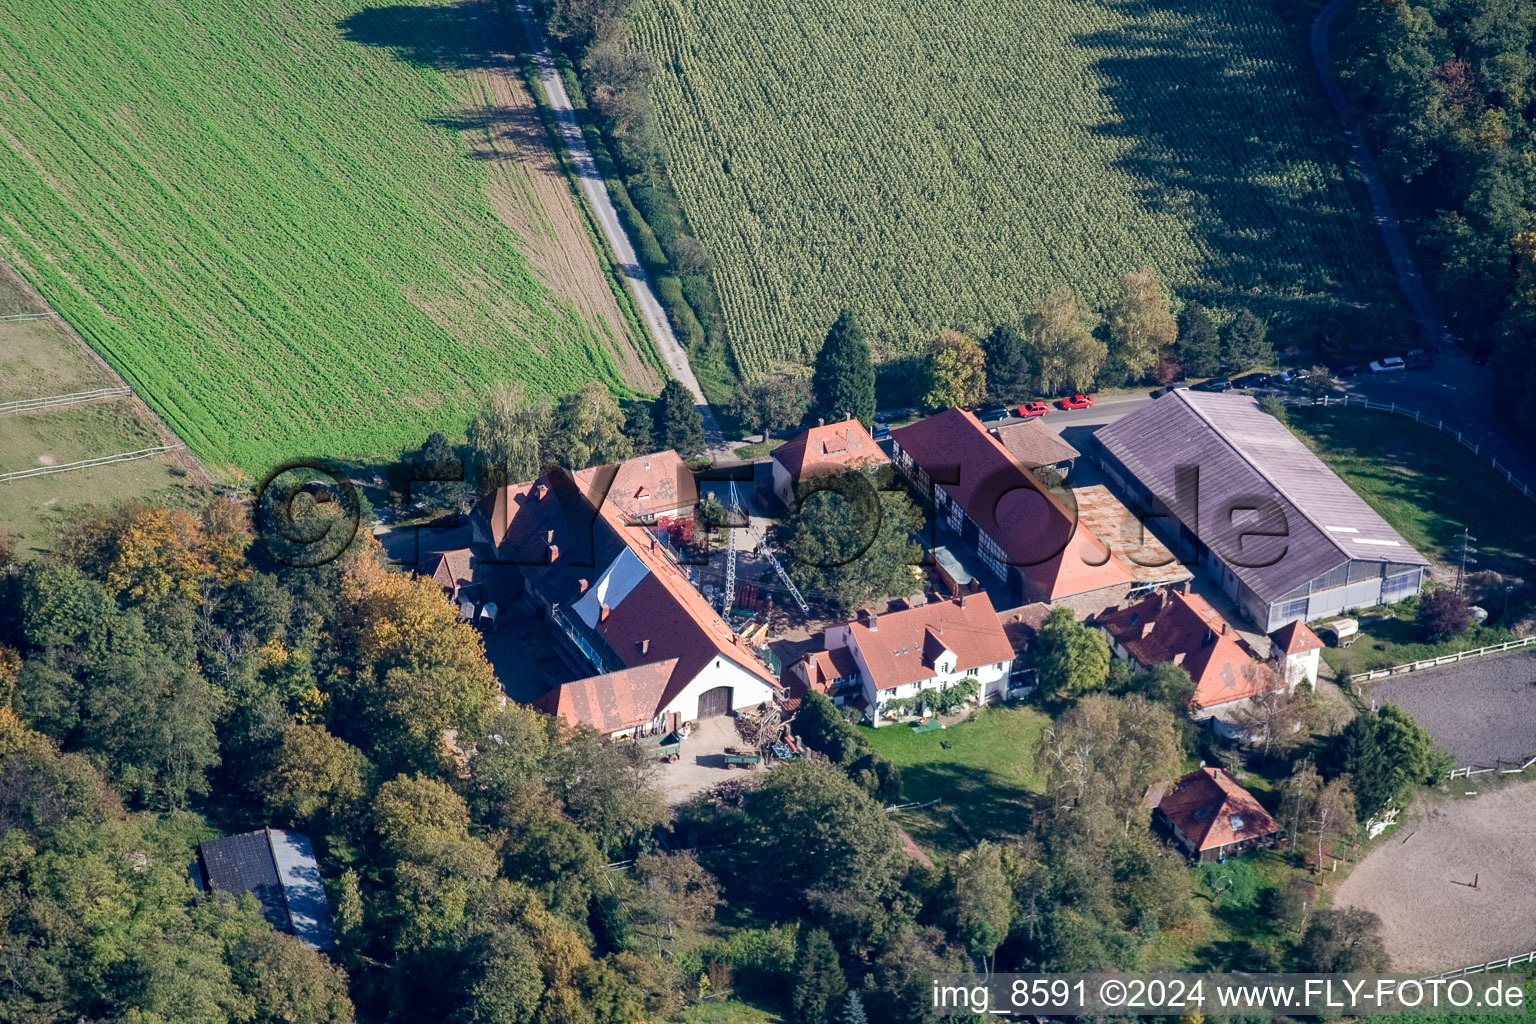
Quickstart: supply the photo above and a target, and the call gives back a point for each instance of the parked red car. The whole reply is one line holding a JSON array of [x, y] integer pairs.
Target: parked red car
[[1034, 409], [1077, 402]]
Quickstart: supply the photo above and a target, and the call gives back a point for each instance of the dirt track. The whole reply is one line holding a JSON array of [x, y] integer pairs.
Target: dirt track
[[531, 193], [1432, 918]]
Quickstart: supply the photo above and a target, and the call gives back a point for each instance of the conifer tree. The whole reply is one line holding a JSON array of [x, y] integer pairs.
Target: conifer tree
[[843, 385]]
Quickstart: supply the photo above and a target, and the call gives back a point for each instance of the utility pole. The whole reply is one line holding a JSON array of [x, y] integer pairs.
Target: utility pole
[[1466, 540]]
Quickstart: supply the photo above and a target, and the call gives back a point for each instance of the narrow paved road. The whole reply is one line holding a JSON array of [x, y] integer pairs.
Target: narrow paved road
[[608, 220], [1408, 277]]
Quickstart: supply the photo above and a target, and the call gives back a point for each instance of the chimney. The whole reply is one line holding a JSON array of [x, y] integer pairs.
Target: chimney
[[874, 623], [539, 492], [1178, 658], [1146, 628], [581, 586], [554, 553], [603, 611], [549, 536], [1223, 628], [962, 599], [645, 646], [821, 421]]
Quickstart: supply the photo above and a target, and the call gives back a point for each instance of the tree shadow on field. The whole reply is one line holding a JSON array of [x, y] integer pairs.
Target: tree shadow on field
[[1229, 131], [472, 34], [468, 36]]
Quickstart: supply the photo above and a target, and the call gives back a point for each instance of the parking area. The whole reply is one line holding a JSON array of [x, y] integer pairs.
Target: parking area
[[703, 762], [1483, 711]]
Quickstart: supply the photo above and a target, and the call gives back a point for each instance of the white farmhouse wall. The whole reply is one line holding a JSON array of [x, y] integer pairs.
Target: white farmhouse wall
[[747, 689], [993, 680]]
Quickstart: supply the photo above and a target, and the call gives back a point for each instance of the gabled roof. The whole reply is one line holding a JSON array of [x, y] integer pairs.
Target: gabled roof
[[900, 647], [643, 486], [280, 870], [1186, 630], [1032, 526], [568, 546], [1034, 444], [821, 668], [1022, 625], [452, 569], [1212, 810], [1245, 456], [614, 701], [828, 448], [1293, 638]]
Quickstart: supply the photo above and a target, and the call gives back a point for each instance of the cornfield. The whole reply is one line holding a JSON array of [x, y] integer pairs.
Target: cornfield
[[264, 216], [948, 163]]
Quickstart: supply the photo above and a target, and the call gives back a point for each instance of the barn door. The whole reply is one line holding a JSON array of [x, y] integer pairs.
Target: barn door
[[715, 702]]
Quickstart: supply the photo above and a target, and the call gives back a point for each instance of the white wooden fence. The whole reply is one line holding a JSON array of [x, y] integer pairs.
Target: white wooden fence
[[20, 317], [1492, 965], [144, 453], [60, 401], [1471, 770], [1438, 424], [1444, 659]]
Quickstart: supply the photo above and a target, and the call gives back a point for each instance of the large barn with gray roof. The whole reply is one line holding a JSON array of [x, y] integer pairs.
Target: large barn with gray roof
[[1284, 537]]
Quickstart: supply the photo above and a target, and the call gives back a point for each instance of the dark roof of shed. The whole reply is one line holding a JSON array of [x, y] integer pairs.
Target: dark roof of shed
[[279, 869], [1247, 458]]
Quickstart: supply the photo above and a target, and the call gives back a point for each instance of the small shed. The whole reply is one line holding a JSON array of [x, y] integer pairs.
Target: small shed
[[280, 870]]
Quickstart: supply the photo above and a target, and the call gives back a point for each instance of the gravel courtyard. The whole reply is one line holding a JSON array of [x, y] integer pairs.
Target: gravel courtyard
[[1420, 881], [1481, 710]]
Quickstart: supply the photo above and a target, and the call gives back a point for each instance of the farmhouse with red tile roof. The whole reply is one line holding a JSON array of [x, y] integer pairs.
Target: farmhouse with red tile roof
[[824, 450], [1184, 629], [1210, 816], [616, 601], [1029, 540], [901, 654]]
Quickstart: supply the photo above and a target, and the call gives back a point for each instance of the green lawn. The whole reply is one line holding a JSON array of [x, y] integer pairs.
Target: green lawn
[[729, 1011], [946, 164], [1424, 483], [1397, 641], [274, 220], [987, 778]]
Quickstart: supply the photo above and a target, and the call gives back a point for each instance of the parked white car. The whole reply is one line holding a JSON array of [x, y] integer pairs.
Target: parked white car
[[1391, 364]]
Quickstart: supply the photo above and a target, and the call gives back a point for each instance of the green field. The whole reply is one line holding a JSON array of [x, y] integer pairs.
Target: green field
[[1419, 480], [40, 358], [987, 778], [949, 163], [274, 219]]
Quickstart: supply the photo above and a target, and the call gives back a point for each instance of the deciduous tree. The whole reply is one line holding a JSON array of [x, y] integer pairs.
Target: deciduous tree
[[589, 429], [956, 371], [507, 437], [1060, 330], [773, 400], [1071, 658], [1443, 614], [1141, 324]]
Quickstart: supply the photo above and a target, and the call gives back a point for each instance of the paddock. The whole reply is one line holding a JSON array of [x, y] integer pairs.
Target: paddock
[[1421, 880]]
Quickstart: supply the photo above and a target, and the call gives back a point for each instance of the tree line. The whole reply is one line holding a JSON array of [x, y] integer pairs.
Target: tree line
[[1445, 88], [515, 437], [1063, 346]]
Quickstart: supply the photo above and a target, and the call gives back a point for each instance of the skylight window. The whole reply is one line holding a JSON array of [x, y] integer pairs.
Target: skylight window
[[1237, 822]]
